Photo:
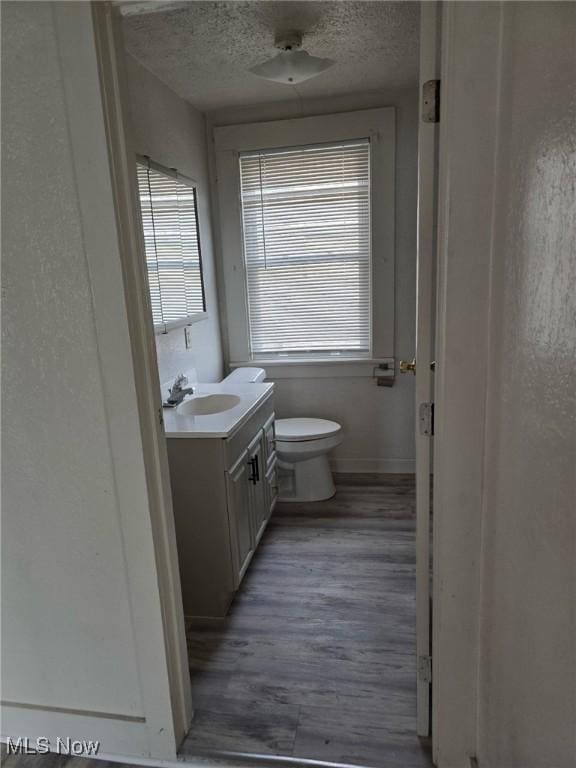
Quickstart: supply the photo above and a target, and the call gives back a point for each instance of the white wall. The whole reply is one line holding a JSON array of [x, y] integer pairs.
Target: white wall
[[505, 448], [528, 625], [173, 133], [83, 650], [378, 422]]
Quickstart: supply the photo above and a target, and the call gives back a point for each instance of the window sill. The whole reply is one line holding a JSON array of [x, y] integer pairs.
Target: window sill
[[323, 369]]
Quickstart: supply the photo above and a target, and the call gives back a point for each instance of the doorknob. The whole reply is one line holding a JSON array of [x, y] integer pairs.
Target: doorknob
[[407, 367]]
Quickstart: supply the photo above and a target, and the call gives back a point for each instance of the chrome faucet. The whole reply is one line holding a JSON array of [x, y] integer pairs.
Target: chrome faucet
[[178, 392]]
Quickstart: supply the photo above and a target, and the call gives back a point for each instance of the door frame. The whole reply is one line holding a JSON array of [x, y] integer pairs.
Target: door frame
[[122, 156], [430, 45], [472, 51], [453, 729]]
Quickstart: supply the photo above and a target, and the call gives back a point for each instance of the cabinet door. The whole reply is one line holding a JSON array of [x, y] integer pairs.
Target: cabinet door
[[240, 516], [257, 477], [271, 487], [270, 440]]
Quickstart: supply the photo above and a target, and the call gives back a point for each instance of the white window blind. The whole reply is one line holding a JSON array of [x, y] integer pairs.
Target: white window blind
[[306, 232], [171, 240]]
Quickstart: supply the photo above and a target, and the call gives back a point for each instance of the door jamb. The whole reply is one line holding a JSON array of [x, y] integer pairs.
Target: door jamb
[[430, 43], [467, 171], [111, 65]]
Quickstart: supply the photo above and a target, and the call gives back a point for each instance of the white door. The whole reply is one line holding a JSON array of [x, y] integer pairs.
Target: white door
[[422, 366]]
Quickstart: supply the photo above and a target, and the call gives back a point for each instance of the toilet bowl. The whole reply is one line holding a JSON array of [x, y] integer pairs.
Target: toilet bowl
[[302, 446]]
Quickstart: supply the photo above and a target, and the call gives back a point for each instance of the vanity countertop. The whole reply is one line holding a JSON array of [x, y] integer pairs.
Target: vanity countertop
[[222, 424]]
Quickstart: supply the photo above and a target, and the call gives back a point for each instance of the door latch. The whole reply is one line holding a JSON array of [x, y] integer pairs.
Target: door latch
[[407, 367]]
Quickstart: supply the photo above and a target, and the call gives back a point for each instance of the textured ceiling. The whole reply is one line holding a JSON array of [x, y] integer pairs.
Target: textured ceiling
[[202, 50]]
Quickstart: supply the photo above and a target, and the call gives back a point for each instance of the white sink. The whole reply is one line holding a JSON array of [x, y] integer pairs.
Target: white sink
[[203, 405]]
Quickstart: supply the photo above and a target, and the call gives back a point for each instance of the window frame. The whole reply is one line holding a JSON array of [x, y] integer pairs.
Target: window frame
[[230, 141], [163, 328], [253, 218]]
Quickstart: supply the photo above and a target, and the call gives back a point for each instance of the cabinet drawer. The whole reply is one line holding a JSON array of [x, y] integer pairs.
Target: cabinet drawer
[[234, 445]]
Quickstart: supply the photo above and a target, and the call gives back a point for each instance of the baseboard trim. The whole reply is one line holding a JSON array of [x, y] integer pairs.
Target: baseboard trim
[[378, 466]]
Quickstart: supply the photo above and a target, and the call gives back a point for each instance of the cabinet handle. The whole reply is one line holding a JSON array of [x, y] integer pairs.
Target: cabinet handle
[[257, 470], [254, 477]]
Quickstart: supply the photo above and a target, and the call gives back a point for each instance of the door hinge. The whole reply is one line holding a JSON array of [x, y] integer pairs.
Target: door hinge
[[425, 669], [426, 419], [431, 101]]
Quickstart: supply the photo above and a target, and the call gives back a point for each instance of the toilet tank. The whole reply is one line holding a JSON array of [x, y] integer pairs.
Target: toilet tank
[[246, 375]]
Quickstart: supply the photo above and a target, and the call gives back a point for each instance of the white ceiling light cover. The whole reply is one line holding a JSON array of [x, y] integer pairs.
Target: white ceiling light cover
[[291, 66]]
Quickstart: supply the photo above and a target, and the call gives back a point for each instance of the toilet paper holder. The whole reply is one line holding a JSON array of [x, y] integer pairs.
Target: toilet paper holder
[[384, 373]]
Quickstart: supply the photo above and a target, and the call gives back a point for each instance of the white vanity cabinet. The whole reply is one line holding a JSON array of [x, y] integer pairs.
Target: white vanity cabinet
[[224, 490]]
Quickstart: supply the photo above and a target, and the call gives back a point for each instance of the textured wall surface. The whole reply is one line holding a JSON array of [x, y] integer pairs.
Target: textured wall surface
[[204, 50], [528, 654], [173, 133], [504, 650], [378, 422], [67, 637]]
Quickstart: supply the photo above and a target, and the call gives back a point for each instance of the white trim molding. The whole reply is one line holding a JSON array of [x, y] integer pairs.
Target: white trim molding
[[384, 368], [471, 56], [165, 676], [376, 124]]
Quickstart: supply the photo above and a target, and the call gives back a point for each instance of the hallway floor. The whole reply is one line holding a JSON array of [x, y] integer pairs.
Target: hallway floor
[[317, 657]]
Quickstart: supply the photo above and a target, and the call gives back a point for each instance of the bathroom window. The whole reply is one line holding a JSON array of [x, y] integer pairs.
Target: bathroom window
[[172, 245], [307, 240]]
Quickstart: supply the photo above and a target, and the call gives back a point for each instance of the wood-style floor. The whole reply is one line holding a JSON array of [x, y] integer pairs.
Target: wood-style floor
[[317, 657]]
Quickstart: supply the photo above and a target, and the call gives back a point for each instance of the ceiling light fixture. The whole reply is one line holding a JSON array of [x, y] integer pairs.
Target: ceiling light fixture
[[292, 65]]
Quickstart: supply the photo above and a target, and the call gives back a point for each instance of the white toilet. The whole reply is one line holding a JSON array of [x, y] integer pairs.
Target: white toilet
[[302, 446]]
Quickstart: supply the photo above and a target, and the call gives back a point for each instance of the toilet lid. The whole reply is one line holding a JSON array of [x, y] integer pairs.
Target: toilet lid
[[305, 429]]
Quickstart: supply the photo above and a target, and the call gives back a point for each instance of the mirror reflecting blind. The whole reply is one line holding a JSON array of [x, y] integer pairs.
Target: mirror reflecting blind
[[171, 239], [306, 233]]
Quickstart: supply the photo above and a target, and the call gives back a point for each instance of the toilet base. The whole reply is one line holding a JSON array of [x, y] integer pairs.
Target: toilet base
[[309, 480]]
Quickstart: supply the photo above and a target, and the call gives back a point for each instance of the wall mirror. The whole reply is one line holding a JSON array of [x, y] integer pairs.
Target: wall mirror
[[172, 242]]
